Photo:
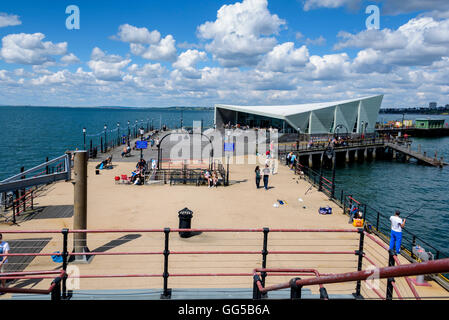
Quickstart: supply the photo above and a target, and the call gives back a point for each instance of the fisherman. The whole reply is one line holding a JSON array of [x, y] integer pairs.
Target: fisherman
[[396, 233]]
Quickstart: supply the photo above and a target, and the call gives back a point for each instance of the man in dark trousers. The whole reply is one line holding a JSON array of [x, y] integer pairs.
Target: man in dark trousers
[[266, 174]]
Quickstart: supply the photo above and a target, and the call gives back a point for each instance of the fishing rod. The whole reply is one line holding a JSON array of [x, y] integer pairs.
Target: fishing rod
[[414, 212]]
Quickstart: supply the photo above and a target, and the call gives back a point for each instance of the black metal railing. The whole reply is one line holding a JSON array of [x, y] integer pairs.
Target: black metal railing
[[375, 220]]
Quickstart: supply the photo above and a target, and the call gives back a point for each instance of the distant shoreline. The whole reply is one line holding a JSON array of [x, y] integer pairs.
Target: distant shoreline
[[117, 107]]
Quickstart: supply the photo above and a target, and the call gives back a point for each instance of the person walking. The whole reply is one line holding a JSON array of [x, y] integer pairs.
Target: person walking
[[4, 249], [257, 171], [266, 174], [396, 233], [287, 158]]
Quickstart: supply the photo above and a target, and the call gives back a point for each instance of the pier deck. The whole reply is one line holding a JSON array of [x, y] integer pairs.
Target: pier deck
[[241, 205]]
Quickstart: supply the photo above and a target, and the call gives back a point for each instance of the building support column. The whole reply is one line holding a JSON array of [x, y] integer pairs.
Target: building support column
[[347, 158], [374, 154], [310, 161], [365, 154], [356, 155]]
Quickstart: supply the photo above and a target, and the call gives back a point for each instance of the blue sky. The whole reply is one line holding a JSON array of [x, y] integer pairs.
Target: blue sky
[[290, 51]]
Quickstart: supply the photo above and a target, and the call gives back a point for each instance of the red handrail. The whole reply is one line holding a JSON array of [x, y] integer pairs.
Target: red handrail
[[409, 282], [32, 291], [428, 267]]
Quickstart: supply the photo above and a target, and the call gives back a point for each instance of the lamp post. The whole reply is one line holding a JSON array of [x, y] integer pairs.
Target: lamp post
[[330, 153], [142, 131], [228, 134], [181, 118], [129, 132], [84, 137], [340, 126], [299, 138], [105, 138], [118, 133]]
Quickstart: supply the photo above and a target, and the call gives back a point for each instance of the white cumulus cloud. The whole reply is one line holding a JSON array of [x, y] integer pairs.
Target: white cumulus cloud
[[242, 32], [7, 20], [23, 48]]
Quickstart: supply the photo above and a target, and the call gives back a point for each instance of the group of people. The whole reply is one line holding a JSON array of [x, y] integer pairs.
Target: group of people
[[265, 174], [211, 178], [138, 175]]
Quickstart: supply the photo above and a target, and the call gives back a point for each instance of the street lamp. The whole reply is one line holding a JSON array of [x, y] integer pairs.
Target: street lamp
[[84, 137], [105, 138], [142, 131], [330, 153], [118, 133], [228, 133], [299, 138]]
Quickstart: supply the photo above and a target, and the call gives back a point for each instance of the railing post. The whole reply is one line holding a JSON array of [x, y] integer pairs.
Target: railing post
[[257, 295], [14, 211], [264, 254], [32, 200], [56, 292], [65, 254], [360, 262], [389, 295], [295, 290], [167, 292]]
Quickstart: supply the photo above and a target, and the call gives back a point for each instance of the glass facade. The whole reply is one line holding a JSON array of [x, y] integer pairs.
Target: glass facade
[[257, 121]]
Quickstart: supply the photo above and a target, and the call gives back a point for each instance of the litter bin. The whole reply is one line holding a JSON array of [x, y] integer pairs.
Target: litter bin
[[185, 219]]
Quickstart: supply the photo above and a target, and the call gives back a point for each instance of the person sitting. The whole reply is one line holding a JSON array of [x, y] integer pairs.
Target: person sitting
[[207, 177], [214, 178], [106, 163], [142, 165], [126, 151]]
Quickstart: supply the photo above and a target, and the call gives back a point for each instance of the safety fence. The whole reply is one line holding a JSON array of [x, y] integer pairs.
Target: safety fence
[[18, 192], [187, 172], [221, 257], [322, 145], [144, 257], [55, 287], [374, 220]]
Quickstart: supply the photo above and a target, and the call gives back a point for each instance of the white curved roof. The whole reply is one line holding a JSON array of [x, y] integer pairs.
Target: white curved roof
[[318, 117], [288, 110]]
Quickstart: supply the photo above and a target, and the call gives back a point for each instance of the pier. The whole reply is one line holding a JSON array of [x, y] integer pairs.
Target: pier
[[361, 150]]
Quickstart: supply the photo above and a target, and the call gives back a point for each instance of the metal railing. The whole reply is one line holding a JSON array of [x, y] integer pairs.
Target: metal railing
[[390, 272], [168, 252], [374, 220]]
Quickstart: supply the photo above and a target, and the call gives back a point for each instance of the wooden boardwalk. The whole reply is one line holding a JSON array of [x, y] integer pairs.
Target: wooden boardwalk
[[408, 152]]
